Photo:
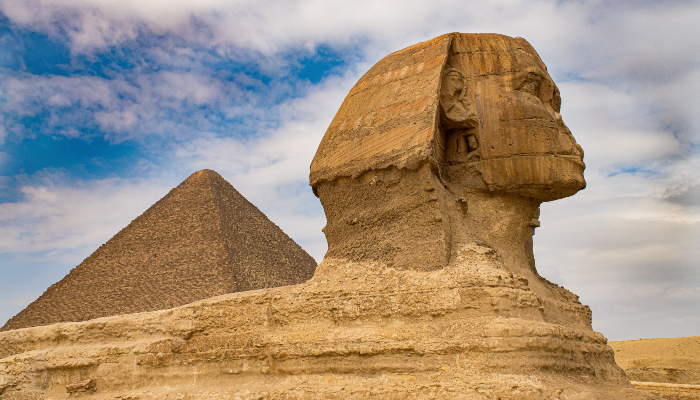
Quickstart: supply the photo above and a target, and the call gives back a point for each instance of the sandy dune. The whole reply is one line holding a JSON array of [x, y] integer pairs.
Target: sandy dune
[[672, 360]]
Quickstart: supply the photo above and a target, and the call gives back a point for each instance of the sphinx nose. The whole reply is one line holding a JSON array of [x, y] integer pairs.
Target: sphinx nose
[[568, 145]]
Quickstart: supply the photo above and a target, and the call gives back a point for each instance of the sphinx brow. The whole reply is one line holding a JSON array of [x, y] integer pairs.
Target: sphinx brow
[[541, 77], [533, 71]]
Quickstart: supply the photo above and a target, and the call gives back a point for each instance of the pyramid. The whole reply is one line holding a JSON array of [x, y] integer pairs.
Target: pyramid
[[201, 240]]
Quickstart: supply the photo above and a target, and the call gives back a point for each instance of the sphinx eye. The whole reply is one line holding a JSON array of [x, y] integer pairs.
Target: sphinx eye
[[531, 84]]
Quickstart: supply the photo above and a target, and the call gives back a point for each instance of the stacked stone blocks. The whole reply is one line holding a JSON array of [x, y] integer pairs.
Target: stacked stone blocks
[[201, 240]]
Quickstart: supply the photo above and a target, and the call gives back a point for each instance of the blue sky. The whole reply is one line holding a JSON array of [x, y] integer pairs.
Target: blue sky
[[106, 105]]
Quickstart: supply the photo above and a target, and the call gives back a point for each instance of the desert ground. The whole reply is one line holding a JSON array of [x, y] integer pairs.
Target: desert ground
[[671, 360], [666, 367]]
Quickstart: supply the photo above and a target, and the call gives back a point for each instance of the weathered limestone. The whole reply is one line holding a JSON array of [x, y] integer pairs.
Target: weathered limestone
[[431, 176], [472, 330], [201, 240]]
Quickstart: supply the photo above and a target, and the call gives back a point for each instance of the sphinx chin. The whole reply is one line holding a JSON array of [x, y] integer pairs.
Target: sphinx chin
[[545, 177]]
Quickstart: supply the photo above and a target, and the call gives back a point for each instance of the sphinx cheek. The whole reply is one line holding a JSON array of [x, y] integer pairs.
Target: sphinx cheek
[[522, 128]]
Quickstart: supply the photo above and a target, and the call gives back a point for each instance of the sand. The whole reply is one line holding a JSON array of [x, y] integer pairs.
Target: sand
[[670, 360]]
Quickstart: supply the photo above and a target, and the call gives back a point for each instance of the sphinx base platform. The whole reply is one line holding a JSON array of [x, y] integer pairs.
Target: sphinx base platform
[[472, 330]]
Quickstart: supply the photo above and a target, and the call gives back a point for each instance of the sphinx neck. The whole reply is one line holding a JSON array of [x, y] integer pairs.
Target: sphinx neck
[[503, 222]]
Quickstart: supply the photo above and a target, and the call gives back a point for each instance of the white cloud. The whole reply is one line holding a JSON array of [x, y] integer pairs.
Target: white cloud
[[280, 24], [271, 169], [614, 127], [56, 214], [126, 107], [626, 250], [650, 45]]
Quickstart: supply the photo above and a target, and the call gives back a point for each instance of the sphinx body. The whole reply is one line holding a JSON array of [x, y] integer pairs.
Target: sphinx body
[[430, 175]]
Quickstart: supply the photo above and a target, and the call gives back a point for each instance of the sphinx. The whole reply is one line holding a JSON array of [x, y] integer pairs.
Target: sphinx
[[431, 176], [450, 141]]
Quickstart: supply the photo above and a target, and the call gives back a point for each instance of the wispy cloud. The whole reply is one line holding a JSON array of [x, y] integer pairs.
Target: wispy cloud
[[66, 214], [127, 107], [686, 196]]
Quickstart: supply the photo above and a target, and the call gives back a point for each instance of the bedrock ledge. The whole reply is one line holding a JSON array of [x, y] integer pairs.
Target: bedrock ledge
[[472, 330]]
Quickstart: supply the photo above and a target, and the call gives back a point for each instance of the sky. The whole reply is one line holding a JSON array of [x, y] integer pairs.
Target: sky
[[106, 105]]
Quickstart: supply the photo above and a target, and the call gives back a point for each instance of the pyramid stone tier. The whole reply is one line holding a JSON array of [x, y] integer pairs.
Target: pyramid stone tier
[[202, 239]]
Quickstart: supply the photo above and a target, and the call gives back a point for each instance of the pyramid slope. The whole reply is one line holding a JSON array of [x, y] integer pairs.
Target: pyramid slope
[[201, 240]]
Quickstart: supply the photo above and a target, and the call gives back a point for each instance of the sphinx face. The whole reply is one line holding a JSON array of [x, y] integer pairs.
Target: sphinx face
[[526, 147], [510, 129]]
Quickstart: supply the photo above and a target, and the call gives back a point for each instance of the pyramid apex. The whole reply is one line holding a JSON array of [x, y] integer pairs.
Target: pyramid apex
[[203, 173]]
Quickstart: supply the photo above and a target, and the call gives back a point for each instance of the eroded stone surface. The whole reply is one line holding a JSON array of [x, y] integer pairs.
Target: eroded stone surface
[[472, 330], [86, 386]]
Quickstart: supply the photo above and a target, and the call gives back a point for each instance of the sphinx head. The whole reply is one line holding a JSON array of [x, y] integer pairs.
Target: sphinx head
[[431, 139], [499, 116]]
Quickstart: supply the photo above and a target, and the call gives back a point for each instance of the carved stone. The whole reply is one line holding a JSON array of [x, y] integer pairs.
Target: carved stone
[[430, 175], [454, 140]]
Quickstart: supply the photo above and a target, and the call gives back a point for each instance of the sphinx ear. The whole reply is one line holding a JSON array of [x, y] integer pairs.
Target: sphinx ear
[[454, 101]]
